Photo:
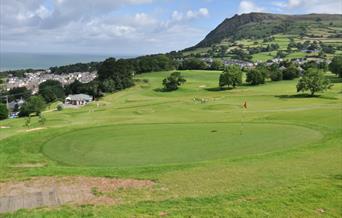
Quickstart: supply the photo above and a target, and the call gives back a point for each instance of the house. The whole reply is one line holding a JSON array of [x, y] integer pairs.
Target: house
[[79, 99], [241, 63], [15, 105]]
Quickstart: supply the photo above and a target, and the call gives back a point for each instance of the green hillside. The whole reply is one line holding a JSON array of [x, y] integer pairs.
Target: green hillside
[[258, 30], [207, 156]]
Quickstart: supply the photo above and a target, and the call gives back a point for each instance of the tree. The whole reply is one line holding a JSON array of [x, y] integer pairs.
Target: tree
[[193, 64], [291, 72], [216, 65], [28, 122], [336, 66], [255, 77], [42, 119], [173, 81], [109, 85], [18, 93], [51, 90], [73, 88], [281, 54], [34, 104], [275, 74], [151, 63], [120, 71], [241, 54], [314, 81], [92, 88], [232, 76], [3, 112]]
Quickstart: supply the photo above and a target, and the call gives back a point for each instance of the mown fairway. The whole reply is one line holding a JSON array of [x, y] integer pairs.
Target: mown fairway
[[286, 163]]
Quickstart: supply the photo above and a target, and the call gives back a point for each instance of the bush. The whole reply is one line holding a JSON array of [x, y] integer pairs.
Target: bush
[[173, 81], [60, 107]]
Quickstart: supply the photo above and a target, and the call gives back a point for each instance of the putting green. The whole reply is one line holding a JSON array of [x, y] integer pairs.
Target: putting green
[[155, 144]]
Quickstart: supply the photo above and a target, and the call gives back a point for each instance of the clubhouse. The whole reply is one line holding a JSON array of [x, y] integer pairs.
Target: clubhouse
[[79, 99]]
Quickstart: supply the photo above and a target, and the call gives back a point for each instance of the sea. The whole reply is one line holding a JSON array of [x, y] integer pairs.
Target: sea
[[16, 61]]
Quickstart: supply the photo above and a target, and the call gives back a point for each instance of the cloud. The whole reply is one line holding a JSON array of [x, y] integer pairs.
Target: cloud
[[89, 26], [249, 6], [190, 14], [310, 6]]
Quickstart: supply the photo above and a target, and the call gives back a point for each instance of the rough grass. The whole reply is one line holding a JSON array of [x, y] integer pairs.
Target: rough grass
[[302, 179]]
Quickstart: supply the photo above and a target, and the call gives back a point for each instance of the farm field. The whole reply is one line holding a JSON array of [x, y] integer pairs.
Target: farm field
[[204, 153]]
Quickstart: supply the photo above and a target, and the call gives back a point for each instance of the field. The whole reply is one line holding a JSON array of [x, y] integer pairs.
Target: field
[[208, 157]]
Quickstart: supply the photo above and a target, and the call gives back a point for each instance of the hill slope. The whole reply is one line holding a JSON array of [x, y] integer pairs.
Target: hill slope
[[261, 25], [263, 37]]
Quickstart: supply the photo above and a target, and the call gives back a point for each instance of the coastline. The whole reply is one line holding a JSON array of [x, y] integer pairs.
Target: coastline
[[21, 61]]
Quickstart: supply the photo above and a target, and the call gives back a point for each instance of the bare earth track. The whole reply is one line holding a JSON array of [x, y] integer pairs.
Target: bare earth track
[[54, 191]]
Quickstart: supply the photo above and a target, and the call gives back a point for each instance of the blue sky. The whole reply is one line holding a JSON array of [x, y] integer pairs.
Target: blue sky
[[128, 26]]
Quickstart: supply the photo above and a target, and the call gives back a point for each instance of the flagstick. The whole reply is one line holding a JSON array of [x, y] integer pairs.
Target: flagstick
[[241, 121], [242, 116]]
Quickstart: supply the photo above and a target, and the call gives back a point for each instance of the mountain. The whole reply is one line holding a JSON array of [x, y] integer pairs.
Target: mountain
[[262, 25]]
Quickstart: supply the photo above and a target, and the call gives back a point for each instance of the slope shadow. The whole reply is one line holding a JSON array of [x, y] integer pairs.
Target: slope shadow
[[303, 95], [218, 89]]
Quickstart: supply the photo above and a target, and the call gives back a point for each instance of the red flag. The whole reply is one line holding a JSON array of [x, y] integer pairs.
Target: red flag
[[245, 105]]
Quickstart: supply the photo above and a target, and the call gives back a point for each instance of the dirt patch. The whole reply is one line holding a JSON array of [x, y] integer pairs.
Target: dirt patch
[[35, 129], [54, 191], [4, 127]]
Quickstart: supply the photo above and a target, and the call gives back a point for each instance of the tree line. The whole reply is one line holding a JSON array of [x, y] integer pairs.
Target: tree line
[[311, 74], [115, 75]]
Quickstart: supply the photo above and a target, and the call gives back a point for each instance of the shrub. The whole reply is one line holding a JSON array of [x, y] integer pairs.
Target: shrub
[[173, 81], [60, 107]]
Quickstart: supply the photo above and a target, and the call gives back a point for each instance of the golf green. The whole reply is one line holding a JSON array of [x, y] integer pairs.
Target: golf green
[[155, 144]]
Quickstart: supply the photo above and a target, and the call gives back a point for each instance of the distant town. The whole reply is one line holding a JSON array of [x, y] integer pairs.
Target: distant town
[[32, 80]]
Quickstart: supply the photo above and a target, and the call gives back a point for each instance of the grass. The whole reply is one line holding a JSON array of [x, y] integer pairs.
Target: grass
[[264, 56], [286, 164], [184, 143]]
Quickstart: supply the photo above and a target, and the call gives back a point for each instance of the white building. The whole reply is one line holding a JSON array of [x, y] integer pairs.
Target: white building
[[79, 99]]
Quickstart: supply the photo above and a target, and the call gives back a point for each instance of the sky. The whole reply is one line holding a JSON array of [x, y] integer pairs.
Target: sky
[[128, 27]]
